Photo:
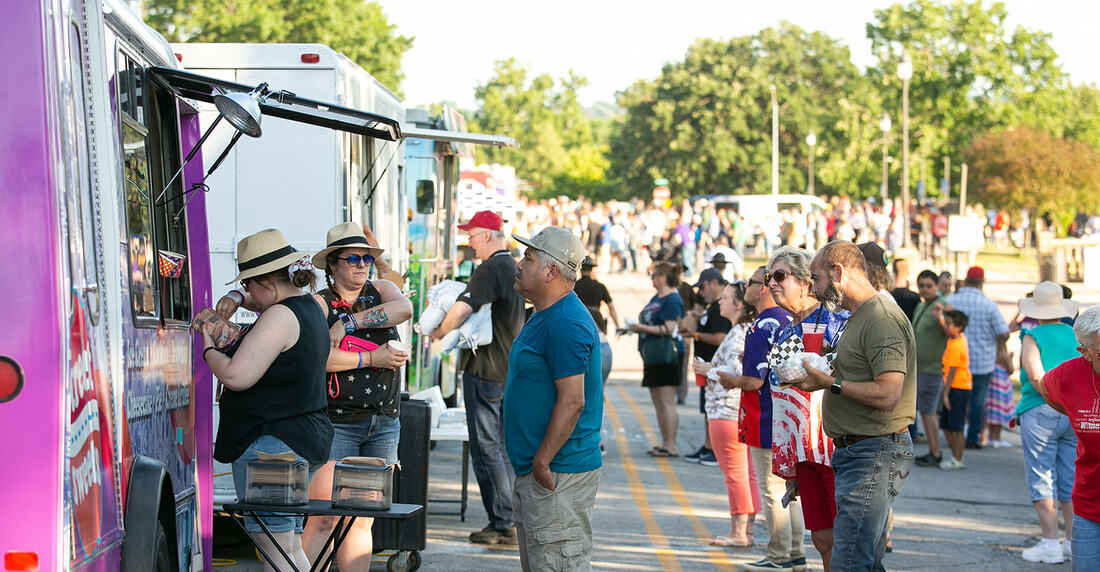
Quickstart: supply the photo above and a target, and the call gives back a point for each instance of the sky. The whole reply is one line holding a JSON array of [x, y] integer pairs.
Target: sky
[[614, 43]]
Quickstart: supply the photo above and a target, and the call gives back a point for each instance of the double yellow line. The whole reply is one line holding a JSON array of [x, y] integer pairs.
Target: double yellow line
[[665, 554]]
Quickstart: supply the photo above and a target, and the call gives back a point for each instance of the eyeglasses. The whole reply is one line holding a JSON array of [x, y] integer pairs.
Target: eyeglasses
[[475, 235], [751, 282], [244, 283], [739, 287], [779, 276], [355, 259]]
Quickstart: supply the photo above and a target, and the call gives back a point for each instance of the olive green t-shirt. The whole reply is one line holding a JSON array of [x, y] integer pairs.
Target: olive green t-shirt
[[878, 339], [931, 342]]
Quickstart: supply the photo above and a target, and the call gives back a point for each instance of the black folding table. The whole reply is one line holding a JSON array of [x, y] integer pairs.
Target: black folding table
[[237, 511]]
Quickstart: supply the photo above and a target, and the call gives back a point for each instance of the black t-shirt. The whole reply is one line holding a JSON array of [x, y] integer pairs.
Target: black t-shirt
[[710, 323], [591, 292], [907, 300], [494, 283], [356, 394], [288, 401]]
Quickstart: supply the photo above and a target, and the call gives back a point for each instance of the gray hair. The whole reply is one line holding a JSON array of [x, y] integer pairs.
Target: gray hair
[[797, 259], [1087, 326], [496, 234], [545, 261]]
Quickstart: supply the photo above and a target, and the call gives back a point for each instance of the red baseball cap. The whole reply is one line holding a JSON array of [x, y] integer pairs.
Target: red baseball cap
[[488, 220], [975, 273]]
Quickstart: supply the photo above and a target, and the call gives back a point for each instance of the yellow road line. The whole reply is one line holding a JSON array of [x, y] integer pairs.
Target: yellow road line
[[718, 558], [656, 536]]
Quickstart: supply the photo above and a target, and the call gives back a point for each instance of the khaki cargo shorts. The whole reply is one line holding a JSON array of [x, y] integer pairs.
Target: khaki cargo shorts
[[555, 527]]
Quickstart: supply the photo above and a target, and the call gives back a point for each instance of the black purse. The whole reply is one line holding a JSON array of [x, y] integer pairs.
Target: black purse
[[658, 350]]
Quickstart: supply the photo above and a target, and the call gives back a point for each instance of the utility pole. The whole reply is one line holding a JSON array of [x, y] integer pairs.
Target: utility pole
[[947, 178], [775, 142]]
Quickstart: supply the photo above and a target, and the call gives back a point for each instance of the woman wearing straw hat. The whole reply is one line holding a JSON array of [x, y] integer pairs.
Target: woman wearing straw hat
[[364, 386], [1050, 447], [274, 375]]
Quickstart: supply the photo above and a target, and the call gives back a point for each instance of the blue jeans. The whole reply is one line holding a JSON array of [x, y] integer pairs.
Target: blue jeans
[[1086, 544], [869, 475], [1050, 450], [375, 436], [275, 522], [976, 411], [484, 401]]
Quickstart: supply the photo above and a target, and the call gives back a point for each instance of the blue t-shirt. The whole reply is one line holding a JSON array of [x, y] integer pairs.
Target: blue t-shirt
[[556, 342]]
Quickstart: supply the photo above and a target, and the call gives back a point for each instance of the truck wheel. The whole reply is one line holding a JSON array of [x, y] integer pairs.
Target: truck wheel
[[161, 558]]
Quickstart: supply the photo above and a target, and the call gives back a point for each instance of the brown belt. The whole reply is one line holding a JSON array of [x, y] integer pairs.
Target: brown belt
[[845, 440]]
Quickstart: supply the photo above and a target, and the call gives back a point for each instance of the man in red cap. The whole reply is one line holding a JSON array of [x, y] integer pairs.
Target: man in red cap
[[485, 373], [986, 329]]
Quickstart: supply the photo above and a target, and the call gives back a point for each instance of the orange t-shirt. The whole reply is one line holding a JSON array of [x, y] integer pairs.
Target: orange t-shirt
[[957, 355]]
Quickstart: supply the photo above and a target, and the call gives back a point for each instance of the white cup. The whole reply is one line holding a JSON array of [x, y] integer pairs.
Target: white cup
[[399, 345]]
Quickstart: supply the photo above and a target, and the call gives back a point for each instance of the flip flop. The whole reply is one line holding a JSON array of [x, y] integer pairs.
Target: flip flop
[[726, 541], [661, 452]]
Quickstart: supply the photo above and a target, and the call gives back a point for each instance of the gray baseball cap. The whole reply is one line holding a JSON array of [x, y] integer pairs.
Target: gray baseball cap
[[559, 243]]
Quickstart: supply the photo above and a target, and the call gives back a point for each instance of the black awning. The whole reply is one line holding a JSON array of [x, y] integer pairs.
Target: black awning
[[284, 105]]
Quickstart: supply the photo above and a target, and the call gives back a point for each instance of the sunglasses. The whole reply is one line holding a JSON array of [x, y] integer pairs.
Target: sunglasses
[[751, 282], [355, 259], [739, 287], [779, 276]]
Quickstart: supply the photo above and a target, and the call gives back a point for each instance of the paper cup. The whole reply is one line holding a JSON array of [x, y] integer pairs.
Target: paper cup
[[399, 345]]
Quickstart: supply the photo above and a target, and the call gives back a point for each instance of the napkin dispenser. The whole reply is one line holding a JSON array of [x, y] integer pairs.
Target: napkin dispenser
[[277, 479], [362, 482]]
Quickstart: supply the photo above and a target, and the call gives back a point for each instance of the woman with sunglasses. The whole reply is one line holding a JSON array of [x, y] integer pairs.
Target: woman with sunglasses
[[800, 448], [722, 408], [274, 377], [364, 386]]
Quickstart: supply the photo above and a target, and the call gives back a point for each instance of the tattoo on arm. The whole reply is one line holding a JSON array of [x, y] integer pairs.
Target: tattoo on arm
[[374, 318]]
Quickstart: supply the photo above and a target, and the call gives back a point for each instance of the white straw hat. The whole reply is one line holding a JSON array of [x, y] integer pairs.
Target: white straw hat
[[344, 235], [1046, 303], [263, 252]]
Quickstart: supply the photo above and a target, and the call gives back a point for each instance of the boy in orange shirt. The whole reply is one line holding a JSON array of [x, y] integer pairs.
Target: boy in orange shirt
[[956, 387]]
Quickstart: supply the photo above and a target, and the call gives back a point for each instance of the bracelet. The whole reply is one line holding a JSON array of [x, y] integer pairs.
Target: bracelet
[[354, 321], [371, 356], [360, 354], [206, 350]]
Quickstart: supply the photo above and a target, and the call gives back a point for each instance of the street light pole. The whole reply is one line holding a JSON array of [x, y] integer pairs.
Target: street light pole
[[811, 140], [905, 72], [775, 142], [884, 125]]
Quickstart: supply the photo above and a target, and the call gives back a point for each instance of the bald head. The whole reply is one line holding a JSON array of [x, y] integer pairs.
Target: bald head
[[843, 253]]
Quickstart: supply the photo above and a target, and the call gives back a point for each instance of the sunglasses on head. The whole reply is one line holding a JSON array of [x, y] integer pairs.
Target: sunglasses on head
[[355, 259], [779, 276], [739, 287]]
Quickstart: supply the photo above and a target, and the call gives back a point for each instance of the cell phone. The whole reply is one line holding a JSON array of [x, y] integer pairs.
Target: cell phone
[[223, 333], [791, 494], [700, 360]]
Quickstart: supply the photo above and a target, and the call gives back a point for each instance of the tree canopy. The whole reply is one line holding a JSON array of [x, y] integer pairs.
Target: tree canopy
[[705, 122], [356, 28], [1027, 168]]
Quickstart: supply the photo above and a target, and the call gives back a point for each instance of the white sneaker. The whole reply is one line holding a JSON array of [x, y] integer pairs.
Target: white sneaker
[[1047, 551], [1066, 550], [951, 464]]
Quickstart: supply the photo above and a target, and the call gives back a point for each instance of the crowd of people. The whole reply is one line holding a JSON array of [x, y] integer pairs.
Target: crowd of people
[[811, 370]]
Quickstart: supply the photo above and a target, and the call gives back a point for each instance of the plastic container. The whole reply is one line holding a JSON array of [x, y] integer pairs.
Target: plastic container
[[277, 481], [359, 483]]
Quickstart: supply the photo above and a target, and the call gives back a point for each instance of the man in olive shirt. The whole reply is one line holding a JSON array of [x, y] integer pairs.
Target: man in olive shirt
[[931, 341], [870, 403]]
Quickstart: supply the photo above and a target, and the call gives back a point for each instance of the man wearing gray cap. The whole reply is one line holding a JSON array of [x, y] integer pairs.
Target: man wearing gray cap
[[553, 408]]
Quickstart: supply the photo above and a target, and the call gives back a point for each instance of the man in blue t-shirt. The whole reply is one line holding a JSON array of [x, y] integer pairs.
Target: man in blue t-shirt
[[553, 407]]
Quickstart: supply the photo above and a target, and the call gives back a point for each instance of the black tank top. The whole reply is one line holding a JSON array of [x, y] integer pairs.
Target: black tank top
[[288, 401], [357, 394]]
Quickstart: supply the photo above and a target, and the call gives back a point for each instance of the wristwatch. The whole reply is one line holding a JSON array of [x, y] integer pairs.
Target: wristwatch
[[349, 324], [835, 387]]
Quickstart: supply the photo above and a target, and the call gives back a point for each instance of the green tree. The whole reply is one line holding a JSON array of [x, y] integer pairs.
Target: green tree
[[557, 152], [971, 74], [705, 122], [356, 28], [1026, 168]]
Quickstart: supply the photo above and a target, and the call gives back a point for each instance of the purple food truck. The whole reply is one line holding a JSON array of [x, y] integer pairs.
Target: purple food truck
[[105, 417]]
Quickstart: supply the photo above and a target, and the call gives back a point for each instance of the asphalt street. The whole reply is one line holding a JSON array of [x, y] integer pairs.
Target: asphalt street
[[659, 514]]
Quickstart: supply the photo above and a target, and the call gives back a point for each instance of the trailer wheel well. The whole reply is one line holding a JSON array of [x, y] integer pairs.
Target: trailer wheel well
[[149, 499]]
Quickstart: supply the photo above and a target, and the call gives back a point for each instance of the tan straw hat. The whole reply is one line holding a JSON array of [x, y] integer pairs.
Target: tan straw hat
[[344, 235], [1046, 303], [263, 252]]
